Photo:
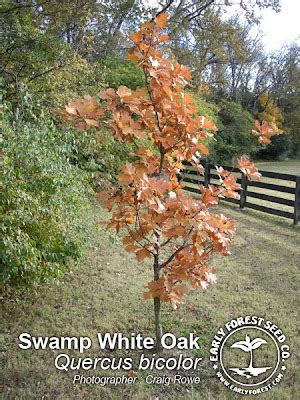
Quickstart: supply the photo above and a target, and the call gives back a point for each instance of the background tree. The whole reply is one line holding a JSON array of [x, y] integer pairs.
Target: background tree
[[36, 57]]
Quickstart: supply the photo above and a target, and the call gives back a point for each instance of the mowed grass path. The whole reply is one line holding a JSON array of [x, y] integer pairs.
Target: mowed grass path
[[104, 294]]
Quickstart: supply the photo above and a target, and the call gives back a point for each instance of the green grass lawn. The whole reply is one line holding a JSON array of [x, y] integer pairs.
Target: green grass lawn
[[285, 167]]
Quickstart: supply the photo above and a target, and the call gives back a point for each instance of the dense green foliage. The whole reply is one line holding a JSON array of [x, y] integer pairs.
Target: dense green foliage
[[207, 109], [100, 156], [280, 149], [120, 72], [233, 136], [42, 201], [33, 59]]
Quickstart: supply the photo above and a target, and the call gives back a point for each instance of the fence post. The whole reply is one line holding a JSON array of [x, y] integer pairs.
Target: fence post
[[207, 174], [243, 194], [297, 201]]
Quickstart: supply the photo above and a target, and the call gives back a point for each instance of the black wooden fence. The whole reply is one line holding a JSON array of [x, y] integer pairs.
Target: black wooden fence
[[192, 176]]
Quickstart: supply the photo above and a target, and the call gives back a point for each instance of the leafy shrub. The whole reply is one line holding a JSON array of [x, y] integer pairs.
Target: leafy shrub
[[208, 110], [98, 154], [42, 201], [234, 135], [107, 157], [122, 72]]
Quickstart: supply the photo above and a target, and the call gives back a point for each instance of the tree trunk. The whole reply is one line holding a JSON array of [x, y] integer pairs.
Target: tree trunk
[[158, 328], [157, 311]]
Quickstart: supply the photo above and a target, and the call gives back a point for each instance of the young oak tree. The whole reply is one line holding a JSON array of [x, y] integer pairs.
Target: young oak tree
[[160, 219]]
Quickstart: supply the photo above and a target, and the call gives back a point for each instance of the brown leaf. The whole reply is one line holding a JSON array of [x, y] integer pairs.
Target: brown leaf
[[162, 20], [142, 254]]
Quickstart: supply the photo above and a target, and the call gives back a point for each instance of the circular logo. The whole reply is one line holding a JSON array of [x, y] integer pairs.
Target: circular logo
[[248, 354]]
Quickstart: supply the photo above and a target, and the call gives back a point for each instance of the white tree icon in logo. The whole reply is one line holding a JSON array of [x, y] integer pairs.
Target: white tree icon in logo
[[248, 346]]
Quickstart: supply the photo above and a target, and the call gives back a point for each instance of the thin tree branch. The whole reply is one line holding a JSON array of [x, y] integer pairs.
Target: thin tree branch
[[45, 73], [183, 246]]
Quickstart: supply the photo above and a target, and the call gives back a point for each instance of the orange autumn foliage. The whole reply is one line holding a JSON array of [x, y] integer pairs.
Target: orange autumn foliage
[[160, 219], [264, 132]]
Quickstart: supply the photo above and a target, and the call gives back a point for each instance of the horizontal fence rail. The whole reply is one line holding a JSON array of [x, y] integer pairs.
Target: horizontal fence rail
[[285, 194]]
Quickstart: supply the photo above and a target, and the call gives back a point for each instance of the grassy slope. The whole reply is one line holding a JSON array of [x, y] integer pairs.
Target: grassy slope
[[105, 294]]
